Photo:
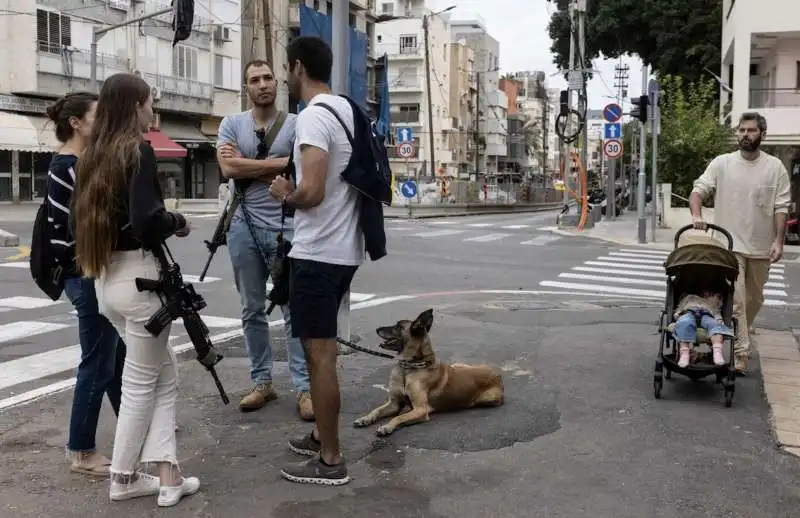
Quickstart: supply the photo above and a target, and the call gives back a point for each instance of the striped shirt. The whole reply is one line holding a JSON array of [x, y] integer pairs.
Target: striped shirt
[[60, 187]]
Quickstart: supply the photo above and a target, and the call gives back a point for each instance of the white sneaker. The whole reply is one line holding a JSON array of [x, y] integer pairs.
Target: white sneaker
[[171, 495], [144, 485]]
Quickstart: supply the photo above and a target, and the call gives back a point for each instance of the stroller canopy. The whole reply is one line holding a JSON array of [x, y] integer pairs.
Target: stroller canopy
[[702, 257]]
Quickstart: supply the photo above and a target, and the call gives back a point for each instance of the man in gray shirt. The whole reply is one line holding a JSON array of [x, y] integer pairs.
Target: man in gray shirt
[[252, 238]]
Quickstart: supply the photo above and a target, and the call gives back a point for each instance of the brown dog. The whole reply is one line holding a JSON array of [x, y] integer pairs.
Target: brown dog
[[424, 383]]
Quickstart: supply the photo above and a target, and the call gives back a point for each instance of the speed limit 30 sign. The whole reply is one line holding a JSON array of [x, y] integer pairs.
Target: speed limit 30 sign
[[405, 150], [612, 148]]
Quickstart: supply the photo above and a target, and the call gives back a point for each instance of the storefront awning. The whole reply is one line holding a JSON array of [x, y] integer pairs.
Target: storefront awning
[[183, 132], [46, 130], [164, 146], [17, 133]]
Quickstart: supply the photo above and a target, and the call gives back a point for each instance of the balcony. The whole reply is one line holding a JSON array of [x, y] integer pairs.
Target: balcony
[[398, 53], [405, 84], [56, 67], [781, 108]]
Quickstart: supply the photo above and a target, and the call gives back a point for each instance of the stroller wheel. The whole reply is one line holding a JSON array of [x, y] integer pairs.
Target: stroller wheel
[[657, 386]]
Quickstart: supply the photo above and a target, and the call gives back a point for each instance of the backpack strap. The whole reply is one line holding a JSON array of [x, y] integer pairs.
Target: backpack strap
[[347, 131], [274, 129]]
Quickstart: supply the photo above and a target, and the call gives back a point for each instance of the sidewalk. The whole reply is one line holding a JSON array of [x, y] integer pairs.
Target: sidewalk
[[623, 231], [579, 431]]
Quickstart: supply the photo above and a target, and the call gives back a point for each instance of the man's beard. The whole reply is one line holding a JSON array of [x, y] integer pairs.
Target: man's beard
[[262, 103], [748, 145]]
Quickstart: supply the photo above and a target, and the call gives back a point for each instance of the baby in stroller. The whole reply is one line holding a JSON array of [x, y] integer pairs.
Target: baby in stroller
[[704, 310]]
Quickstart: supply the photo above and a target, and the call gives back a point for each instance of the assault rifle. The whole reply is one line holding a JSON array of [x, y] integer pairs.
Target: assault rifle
[[180, 300], [224, 223]]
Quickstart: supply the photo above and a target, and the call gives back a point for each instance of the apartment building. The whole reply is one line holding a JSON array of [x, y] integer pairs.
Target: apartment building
[[402, 38], [463, 94], [195, 83], [761, 64], [492, 102]]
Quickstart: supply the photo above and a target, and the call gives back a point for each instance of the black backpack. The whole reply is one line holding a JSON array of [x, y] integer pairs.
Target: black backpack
[[46, 272]]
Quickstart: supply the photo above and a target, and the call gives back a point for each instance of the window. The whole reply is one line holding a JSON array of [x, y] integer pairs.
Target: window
[[351, 19], [329, 8], [184, 62], [408, 44], [222, 68], [316, 5], [387, 8], [53, 31], [405, 113]]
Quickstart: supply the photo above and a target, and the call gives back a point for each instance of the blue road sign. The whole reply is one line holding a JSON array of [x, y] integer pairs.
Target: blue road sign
[[404, 134], [409, 189], [612, 112], [612, 130]]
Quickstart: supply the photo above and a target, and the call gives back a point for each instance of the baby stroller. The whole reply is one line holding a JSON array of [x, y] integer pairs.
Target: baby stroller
[[691, 268]]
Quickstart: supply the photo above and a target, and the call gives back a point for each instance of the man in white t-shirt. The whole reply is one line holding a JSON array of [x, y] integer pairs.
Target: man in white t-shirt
[[751, 201], [327, 249]]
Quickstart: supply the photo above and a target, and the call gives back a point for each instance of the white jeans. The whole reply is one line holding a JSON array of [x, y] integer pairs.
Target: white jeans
[[146, 422]]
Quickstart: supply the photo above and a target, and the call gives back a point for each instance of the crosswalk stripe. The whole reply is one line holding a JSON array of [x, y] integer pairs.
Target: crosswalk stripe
[[620, 280], [600, 288], [195, 279], [487, 237], [610, 262], [26, 329], [661, 253], [658, 262], [542, 240], [480, 225], [640, 256], [439, 233], [22, 302], [444, 222], [635, 273], [516, 226], [16, 264]]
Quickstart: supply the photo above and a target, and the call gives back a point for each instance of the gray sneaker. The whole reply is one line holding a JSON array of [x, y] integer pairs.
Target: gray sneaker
[[314, 471], [305, 445]]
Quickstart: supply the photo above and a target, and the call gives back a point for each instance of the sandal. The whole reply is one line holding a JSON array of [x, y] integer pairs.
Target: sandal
[[99, 468]]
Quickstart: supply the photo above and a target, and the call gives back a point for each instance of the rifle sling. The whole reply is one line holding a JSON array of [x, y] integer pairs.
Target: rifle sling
[[242, 185]]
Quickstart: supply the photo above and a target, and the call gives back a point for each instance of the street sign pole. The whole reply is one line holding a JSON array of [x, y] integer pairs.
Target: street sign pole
[[610, 190], [655, 124], [642, 225], [612, 150]]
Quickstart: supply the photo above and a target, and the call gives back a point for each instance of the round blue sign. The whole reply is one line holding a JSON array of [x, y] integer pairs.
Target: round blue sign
[[409, 189]]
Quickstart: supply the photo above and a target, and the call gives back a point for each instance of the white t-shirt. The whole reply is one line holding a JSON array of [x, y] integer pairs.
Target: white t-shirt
[[329, 232]]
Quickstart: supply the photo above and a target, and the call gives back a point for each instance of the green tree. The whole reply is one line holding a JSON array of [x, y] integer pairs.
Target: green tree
[[691, 132], [677, 37]]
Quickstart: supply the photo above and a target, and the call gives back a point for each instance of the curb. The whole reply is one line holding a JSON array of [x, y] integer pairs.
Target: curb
[[7, 239], [780, 363], [623, 242]]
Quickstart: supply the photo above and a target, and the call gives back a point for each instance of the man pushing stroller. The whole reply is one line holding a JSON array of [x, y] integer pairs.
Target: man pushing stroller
[[705, 311]]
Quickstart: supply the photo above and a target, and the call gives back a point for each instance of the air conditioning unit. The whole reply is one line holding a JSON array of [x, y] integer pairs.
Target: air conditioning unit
[[222, 34], [156, 93]]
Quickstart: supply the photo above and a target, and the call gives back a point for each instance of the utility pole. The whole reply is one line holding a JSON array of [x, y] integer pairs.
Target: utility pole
[[655, 122], [248, 43], [98, 33], [631, 168], [584, 106], [431, 154], [640, 197], [340, 45], [266, 19], [566, 162], [477, 121]]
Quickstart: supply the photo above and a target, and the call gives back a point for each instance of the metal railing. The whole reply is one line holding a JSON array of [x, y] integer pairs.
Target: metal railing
[[774, 98], [180, 86]]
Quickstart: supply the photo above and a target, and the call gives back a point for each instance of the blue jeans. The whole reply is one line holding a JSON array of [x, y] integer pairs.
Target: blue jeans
[[100, 370], [686, 326], [251, 268]]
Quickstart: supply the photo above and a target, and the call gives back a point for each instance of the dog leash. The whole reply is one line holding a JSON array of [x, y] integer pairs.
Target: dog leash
[[351, 345]]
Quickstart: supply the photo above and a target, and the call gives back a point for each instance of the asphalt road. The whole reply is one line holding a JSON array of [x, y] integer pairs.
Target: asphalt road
[[569, 321]]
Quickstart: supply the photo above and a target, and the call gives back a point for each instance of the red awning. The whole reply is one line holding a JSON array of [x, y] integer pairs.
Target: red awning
[[164, 146]]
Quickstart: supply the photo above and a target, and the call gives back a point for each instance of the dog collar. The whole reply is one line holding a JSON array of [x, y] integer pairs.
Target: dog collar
[[415, 364]]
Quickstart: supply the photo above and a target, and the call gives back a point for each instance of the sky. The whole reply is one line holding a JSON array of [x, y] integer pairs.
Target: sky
[[525, 44]]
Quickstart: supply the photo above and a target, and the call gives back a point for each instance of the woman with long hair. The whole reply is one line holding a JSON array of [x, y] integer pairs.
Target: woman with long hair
[[102, 350], [119, 219]]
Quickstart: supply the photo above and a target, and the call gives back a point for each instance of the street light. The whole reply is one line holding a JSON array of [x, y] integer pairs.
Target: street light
[[428, 86]]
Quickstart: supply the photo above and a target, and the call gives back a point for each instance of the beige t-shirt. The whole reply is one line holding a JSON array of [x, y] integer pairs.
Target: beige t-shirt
[[748, 195]]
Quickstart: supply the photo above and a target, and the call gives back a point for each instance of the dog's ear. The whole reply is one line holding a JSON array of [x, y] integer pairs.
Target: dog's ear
[[388, 332], [422, 325]]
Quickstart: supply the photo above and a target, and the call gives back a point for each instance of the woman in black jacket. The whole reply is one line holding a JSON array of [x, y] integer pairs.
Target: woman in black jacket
[[102, 350], [119, 218]]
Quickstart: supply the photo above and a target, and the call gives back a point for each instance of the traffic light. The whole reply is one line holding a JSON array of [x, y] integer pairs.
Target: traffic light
[[640, 108], [564, 102]]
